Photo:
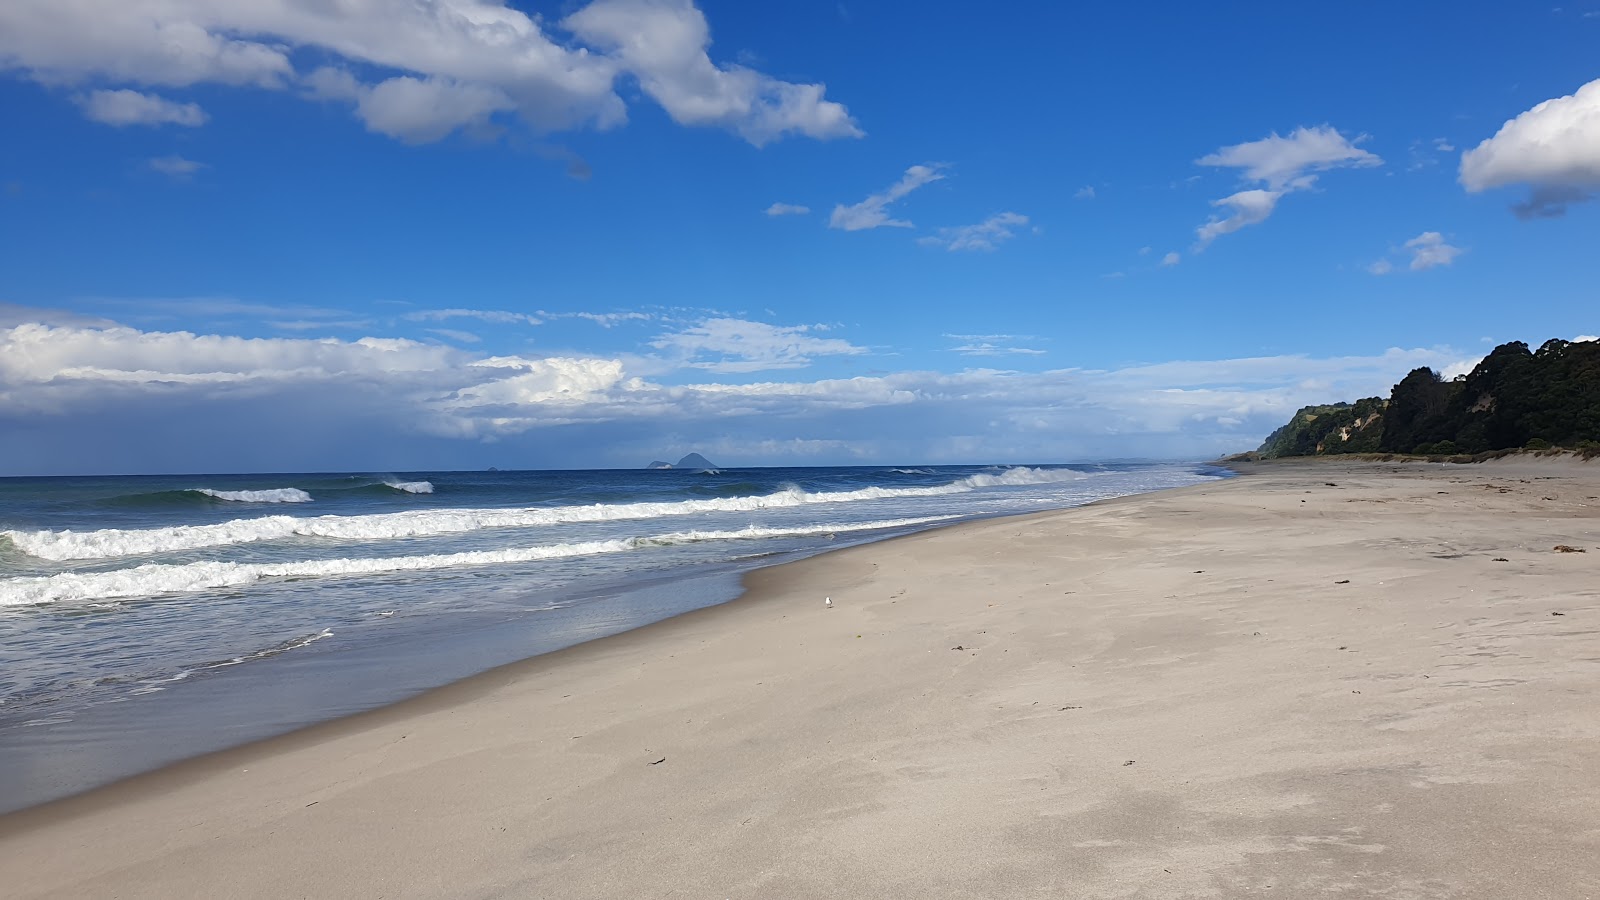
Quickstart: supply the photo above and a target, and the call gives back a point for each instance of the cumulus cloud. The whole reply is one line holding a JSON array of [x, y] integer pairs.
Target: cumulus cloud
[[423, 110], [787, 209], [873, 212], [445, 64], [1381, 267], [1429, 249], [125, 107], [1284, 165], [1171, 259], [180, 401], [1084, 193], [985, 235], [738, 345], [663, 43], [1553, 148]]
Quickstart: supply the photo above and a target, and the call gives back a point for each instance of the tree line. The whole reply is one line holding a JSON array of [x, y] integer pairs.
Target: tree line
[[1514, 398]]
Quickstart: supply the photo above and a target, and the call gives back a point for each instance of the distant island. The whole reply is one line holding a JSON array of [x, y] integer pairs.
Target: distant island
[[692, 461], [1514, 398]]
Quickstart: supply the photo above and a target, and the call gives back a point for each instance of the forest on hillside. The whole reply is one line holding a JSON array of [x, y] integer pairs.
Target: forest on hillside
[[1514, 398]]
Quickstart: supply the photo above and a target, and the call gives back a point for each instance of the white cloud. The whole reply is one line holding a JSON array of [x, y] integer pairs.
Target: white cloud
[[1084, 193], [1284, 165], [1146, 251], [176, 166], [787, 209], [1582, 338], [1554, 148], [604, 320], [1249, 208], [1429, 249], [125, 107], [422, 110], [178, 401], [663, 43], [986, 235], [446, 64], [460, 337], [496, 316], [175, 43], [738, 345], [1283, 162], [873, 211], [1171, 259], [985, 348]]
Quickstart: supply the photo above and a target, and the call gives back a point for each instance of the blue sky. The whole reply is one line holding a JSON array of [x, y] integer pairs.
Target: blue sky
[[306, 234]]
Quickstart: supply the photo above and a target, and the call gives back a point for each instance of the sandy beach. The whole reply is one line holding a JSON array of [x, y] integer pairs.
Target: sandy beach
[[1324, 678]]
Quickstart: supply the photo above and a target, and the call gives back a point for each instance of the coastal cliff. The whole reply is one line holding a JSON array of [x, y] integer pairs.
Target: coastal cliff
[[1514, 398]]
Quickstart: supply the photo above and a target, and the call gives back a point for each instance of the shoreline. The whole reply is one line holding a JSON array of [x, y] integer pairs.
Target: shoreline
[[822, 727], [460, 690], [149, 759]]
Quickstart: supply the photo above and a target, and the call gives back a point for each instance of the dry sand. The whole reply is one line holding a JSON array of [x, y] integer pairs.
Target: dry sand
[[1277, 686]]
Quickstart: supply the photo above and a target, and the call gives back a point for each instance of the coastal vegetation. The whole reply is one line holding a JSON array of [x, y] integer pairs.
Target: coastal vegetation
[[1515, 398]]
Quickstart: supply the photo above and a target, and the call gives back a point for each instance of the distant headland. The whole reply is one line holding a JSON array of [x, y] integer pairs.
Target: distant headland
[[692, 461], [1515, 398]]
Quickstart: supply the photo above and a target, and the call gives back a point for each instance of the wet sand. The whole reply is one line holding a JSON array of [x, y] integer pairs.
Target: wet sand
[[1355, 679]]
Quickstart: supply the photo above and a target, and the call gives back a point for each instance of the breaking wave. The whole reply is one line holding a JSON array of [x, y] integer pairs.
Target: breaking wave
[[115, 542], [274, 495], [152, 579]]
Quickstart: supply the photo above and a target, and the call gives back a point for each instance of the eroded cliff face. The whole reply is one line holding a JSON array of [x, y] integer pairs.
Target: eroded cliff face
[[1329, 429]]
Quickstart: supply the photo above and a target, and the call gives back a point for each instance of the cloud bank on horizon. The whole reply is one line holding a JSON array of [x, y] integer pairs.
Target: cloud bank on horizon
[[172, 390], [1156, 276]]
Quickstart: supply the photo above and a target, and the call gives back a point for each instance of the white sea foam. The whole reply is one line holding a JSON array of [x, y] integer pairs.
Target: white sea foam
[[285, 647], [152, 579], [411, 487], [115, 542], [275, 495], [1020, 475]]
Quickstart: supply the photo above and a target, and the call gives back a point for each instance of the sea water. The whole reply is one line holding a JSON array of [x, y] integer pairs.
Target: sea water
[[145, 619]]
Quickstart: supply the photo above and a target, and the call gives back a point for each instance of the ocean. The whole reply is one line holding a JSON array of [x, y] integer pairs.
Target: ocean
[[147, 619]]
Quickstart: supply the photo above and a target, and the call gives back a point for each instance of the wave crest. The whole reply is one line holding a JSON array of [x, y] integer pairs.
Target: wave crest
[[152, 579], [273, 495], [114, 542]]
